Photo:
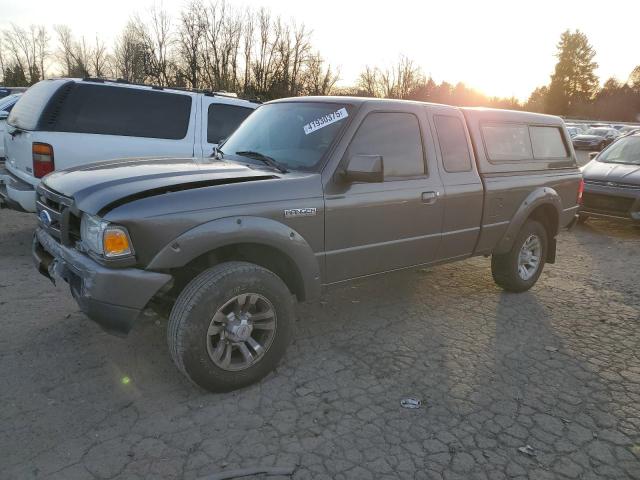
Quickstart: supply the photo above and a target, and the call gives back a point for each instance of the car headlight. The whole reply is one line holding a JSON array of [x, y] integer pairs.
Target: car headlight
[[103, 238]]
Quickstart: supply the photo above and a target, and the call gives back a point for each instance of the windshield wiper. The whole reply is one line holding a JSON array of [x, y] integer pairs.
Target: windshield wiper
[[264, 159]]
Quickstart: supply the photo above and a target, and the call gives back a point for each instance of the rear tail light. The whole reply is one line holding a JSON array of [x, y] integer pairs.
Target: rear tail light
[[580, 191], [42, 159]]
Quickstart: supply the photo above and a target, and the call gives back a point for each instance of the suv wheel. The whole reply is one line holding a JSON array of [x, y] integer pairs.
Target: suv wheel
[[230, 326], [518, 270]]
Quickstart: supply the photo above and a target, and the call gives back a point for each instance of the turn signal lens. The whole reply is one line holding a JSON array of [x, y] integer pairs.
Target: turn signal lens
[[42, 154], [116, 242]]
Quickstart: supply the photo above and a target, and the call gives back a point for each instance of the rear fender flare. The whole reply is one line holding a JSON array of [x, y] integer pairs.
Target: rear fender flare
[[242, 229], [537, 198]]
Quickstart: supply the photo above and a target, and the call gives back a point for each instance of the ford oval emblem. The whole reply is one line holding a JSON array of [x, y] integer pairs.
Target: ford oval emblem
[[45, 218]]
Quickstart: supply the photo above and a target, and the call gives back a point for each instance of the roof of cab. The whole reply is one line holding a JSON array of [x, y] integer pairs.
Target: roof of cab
[[473, 113], [354, 100], [481, 114]]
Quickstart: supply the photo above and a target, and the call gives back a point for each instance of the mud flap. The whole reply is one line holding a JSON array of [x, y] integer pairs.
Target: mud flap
[[551, 250]]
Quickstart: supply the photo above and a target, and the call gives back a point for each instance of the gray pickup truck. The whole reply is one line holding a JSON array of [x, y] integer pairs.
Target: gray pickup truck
[[308, 192]]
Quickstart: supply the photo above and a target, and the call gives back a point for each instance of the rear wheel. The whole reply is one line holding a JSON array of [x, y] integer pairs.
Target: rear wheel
[[230, 326], [519, 269]]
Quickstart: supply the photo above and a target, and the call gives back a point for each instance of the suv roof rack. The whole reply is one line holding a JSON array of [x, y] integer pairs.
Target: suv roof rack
[[209, 93]]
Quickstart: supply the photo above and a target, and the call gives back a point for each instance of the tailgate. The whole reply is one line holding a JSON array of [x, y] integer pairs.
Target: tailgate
[[19, 158]]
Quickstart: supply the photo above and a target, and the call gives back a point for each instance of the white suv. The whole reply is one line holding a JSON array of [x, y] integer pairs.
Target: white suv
[[63, 123]]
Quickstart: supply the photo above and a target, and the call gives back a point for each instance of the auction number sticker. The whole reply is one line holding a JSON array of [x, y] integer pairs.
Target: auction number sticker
[[325, 120]]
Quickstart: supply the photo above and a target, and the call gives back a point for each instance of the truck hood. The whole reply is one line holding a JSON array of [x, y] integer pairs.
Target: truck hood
[[98, 186], [612, 172]]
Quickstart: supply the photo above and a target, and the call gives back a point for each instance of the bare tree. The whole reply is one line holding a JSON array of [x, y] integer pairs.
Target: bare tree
[[248, 39], [99, 61], [191, 35], [42, 49], [264, 66], [129, 54], [319, 80], [369, 82], [222, 46], [74, 55], [156, 37], [22, 50], [2, 61]]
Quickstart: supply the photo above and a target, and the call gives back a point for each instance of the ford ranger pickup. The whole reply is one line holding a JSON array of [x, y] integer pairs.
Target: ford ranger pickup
[[308, 192]]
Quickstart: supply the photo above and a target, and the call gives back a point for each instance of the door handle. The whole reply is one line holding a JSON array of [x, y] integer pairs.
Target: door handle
[[430, 197]]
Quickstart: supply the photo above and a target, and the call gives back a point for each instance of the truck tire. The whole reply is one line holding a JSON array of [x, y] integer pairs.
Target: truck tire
[[518, 269], [230, 326]]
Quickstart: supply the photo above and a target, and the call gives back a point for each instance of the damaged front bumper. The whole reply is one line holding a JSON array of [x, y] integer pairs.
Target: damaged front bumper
[[112, 297]]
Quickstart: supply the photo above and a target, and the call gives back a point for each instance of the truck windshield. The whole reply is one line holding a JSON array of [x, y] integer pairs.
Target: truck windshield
[[295, 134], [625, 150]]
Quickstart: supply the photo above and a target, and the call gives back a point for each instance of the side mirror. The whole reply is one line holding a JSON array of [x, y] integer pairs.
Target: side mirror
[[593, 155], [365, 168], [4, 115]]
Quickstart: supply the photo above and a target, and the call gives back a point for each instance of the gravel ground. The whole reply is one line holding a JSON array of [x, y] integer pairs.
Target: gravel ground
[[556, 368]]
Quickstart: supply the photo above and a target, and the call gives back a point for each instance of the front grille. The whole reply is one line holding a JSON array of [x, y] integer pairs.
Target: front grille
[[55, 216], [607, 203], [605, 183]]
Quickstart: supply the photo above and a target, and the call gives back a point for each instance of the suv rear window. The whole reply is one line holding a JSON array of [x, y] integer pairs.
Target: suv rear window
[[223, 119], [26, 113], [131, 112]]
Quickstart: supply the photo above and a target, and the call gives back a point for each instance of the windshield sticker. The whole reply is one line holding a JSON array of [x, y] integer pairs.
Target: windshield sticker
[[325, 120]]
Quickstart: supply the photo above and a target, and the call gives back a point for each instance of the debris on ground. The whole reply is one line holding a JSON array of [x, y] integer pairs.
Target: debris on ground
[[246, 472], [527, 450], [551, 349], [410, 403]]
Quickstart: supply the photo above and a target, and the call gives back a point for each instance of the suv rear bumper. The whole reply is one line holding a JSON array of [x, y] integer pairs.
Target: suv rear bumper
[[112, 297], [16, 193]]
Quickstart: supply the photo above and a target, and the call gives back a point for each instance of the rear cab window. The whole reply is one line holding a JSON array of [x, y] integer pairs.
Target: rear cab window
[[223, 119], [111, 110], [453, 143]]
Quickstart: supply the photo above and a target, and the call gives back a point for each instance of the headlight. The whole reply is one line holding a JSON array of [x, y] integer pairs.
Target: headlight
[[103, 238]]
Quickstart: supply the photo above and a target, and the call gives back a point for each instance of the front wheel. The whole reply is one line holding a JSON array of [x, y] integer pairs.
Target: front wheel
[[519, 269], [230, 326]]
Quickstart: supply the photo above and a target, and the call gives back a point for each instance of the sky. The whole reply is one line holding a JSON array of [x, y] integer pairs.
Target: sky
[[501, 48]]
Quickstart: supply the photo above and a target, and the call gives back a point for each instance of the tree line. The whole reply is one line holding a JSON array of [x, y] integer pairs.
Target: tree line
[[255, 54], [573, 91], [209, 46]]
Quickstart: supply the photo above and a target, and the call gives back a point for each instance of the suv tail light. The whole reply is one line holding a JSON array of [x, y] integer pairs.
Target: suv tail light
[[42, 159], [580, 191]]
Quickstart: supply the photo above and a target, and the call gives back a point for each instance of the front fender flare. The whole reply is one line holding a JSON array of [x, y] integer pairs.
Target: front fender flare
[[537, 198], [243, 229]]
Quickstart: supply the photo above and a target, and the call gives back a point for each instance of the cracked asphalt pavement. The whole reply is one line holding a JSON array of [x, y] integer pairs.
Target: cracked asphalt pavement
[[556, 369]]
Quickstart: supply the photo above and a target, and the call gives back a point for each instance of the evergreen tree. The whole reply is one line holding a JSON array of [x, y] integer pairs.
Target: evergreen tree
[[574, 81]]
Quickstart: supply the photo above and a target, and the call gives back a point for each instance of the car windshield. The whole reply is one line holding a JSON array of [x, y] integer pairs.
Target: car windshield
[[600, 132], [294, 134], [625, 150]]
